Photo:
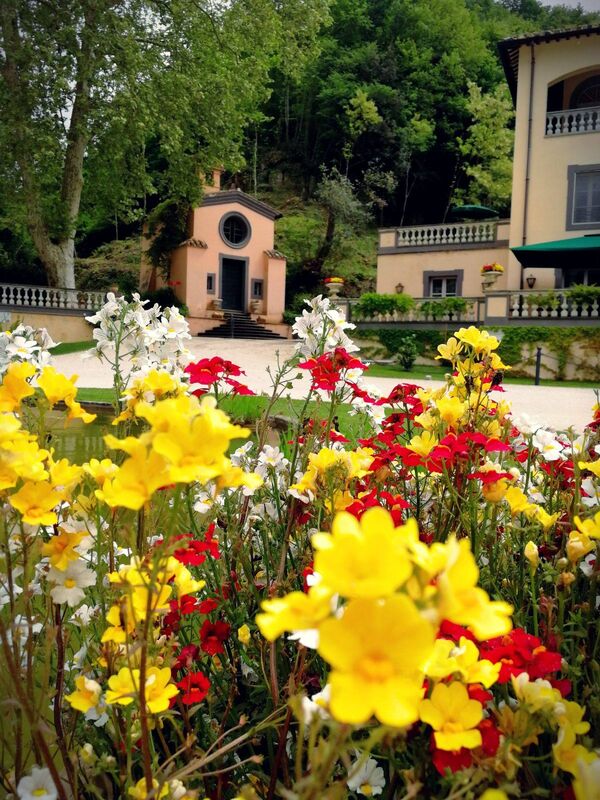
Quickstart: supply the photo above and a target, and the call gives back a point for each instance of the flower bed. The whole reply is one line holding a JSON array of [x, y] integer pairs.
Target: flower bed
[[410, 614]]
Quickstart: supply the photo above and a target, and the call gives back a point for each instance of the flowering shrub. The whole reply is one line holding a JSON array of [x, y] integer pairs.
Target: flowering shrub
[[492, 268], [408, 613]]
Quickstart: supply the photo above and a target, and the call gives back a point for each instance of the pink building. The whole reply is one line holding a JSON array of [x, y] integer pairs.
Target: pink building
[[228, 263]]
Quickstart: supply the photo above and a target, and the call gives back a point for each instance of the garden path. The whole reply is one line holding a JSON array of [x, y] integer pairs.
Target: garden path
[[554, 407]]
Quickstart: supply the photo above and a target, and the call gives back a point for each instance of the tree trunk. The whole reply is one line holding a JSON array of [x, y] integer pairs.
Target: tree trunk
[[56, 254]]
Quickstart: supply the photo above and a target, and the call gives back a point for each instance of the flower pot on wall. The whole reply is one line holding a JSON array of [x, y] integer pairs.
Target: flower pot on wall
[[488, 280]]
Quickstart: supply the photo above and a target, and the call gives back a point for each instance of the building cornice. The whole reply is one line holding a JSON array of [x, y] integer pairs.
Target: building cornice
[[246, 200]]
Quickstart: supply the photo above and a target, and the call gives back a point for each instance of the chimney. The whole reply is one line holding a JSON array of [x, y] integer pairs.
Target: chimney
[[216, 179]]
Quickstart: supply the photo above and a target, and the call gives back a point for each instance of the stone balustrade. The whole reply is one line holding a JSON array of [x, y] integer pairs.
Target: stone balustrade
[[446, 233], [573, 120], [550, 305], [49, 298]]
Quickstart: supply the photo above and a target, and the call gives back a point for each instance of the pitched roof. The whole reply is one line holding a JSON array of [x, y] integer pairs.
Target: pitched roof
[[246, 200], [193, 243], [274, 254], [509, 48]]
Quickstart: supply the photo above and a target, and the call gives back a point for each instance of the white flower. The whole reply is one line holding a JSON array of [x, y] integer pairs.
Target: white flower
[[316, 706], [367, 779], [84, 615], [22, 348], [592, 493], [548, 445], [177, 789], [70, 583], [98, 714], [587, 565], [38, 784]]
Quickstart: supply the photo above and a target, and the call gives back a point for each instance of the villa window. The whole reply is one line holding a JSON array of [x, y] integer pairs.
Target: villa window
[[442, 287], [211, 281], [235, 229], [257, 289], [583, 202]]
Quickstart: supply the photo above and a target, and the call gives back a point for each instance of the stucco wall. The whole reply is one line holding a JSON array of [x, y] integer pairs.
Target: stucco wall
[[550, 156], [408, 269], [191, 265], [61, 327]]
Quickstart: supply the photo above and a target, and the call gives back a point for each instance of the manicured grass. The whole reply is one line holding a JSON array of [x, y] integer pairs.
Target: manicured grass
[[64, 348], [95, 395], [419, 372]]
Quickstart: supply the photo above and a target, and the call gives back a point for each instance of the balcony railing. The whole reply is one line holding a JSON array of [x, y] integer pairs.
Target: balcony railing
[[446, 233], [550, 305], [424, 310], [573, 120], [44, 297]]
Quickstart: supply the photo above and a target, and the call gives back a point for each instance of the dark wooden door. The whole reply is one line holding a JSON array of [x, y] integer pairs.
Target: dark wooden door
[[233, 283]]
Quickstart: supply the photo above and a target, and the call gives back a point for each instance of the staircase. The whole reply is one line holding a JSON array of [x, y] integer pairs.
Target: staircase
[[238, 325]]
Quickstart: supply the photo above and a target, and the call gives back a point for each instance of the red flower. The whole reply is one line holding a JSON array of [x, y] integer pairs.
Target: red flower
[[326, 370], [209, 371], [192, 553], [195, 687], [452, 760], [490, 737], [208, 605], [213, 635], [186, 657], [518, 652]]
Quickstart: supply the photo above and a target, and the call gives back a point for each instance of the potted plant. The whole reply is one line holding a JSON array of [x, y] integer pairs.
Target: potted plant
[[490, 274], [334, 285]]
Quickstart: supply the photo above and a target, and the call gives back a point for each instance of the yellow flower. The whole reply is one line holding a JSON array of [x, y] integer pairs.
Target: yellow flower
[[517, 500], [587, 778], [532, 555], [183, 580], [55, 386], [123, 687], [135, 481], [159, 690], [480, 341], [140, 792], [86, 694], [592, 466], [423, 445], [567, 753], [540, 515], [538, 695], [243, 634], [64, 475], [36, 503], [100, 470], [329, 465], [451, 409], [451, 350], [453, 716], [578, 546], [296, 611], [366, 558], [76, 411], [15, 386], [462, 659], [494, 794], [61, 548], [122, 624], [377, 650], [590, 527], [462, 601], [495, 491]]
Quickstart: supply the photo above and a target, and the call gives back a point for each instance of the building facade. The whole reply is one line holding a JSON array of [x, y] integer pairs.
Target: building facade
[[228, 263], [552, 239]]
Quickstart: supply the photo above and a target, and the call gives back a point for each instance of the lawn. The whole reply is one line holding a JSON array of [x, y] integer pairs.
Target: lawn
[[435, 373]]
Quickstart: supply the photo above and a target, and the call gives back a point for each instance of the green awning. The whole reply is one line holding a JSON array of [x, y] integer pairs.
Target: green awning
[[576, 253]]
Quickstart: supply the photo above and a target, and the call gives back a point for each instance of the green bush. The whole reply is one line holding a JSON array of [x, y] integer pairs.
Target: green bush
[[406, 351], [583, 295], [444, 306], [372, 304], [166, 298]]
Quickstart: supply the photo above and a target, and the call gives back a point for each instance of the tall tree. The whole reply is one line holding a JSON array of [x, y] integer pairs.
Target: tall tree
[[86, 85]]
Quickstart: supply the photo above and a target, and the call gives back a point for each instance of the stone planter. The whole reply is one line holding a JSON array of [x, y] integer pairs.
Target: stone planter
[[334, 289], [488, 280]]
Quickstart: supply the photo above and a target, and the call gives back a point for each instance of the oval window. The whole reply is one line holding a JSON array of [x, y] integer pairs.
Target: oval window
[[235, 230]]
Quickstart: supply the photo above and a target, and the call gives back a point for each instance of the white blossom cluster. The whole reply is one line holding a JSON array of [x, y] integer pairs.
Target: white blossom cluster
[[149, 337], [322, 328], [25, 343]]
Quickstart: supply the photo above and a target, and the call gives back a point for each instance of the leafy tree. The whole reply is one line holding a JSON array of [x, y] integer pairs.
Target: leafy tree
[[92, 89], [487, 147]]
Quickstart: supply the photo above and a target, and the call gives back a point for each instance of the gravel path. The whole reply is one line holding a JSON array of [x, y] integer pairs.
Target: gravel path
[[553, 407]]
